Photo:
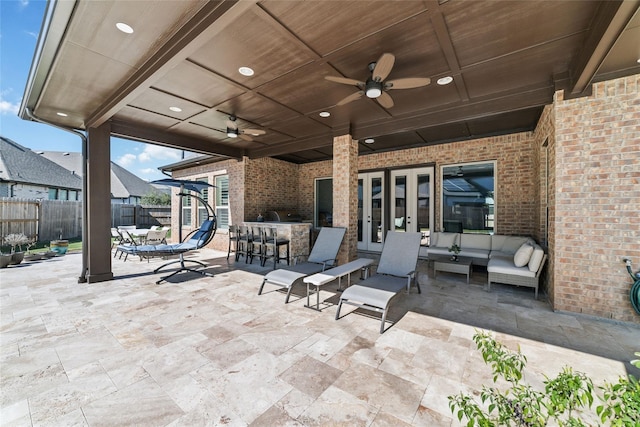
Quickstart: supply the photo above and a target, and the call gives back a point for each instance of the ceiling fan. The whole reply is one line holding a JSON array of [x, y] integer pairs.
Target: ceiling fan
[[234, 132], [376, 86]]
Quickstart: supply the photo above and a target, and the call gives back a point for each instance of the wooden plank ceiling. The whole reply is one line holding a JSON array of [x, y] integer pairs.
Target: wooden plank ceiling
[[506, 59]]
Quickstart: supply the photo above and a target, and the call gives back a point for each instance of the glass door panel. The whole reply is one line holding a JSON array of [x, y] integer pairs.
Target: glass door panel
[[412, 203], [371, 205]]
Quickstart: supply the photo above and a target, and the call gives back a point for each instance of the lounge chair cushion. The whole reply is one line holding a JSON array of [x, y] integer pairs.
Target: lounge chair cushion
[[375, 292], [536, 258]]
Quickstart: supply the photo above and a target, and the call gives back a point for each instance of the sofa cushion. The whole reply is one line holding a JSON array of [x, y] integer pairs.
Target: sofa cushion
[[445, 240], [536, 258], [523, 255], [475, 253], [504, 265], [475, 241], [433, 250], [507, 244]]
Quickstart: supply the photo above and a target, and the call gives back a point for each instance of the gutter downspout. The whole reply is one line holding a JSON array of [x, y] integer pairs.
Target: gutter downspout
[[83, 273]]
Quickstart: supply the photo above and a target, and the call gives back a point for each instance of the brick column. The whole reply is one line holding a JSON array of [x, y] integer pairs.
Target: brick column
[[345, 194]]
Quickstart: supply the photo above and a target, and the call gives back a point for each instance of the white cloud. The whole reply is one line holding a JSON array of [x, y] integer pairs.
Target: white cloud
[[126, 160], [148, 171], [7, 107], [156, 152]]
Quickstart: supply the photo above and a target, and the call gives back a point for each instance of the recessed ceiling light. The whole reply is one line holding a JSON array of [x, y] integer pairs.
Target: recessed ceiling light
[[445, 80], [176, 109], [324, 114], [62, 114], [245, 71], [124, 28], [638, 61], [369, 141]]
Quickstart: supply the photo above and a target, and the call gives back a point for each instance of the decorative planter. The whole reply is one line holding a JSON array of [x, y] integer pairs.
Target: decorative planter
[[34, 257], [5, 260], [16, 258], [59, 246]]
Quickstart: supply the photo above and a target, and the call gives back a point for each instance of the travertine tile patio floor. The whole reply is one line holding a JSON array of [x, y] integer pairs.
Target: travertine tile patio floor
[[210, 351]]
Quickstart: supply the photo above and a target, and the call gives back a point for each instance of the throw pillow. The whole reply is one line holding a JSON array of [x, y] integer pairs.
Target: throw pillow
[[536, 258], [523, 254]]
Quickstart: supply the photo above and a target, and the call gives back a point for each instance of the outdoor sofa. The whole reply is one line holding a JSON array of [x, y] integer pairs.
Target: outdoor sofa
[[512, 260]]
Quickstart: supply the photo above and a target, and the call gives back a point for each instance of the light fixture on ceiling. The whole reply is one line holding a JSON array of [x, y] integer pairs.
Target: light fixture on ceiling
[[369, 141], [175, 109], [246, 71], [459, 172], [124, 28], [324, 114], [232, 133], [373, 89], [62, 114], [638, 61], [445, 80]]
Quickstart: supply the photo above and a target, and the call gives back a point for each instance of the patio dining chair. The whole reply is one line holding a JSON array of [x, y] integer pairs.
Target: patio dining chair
[[395, 272], [323, 255]]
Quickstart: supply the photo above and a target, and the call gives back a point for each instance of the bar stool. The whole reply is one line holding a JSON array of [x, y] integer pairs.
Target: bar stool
[[256, 247], [243, 246], [233, 240], [272, 244]]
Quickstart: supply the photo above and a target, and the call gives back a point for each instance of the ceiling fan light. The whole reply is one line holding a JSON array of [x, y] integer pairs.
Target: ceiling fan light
[[232, 133], [373, 92]]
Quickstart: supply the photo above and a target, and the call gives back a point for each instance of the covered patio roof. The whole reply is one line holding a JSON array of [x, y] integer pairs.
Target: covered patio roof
[[175, 81]]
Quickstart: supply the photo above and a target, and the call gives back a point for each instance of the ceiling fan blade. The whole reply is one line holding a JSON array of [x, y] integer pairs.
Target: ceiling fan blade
[[409, 83], [383, 67], [254, 132], [245, 137], [344, 80], [385, 100], [232, 124], [351, 97]]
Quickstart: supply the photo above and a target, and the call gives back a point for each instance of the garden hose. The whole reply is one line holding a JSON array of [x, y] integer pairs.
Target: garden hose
[[634, 293]]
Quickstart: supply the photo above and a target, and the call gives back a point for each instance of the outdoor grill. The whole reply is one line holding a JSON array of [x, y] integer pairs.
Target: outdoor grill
[[282, 216]]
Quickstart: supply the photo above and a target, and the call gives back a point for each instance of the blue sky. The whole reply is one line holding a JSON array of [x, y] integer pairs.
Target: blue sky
[[20, 23]]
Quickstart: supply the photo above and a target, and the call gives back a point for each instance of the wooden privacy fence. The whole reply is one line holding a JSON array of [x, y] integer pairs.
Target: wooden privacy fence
[[54, 219]]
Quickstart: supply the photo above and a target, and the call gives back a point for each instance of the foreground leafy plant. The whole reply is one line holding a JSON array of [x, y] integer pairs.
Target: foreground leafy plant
[[521, 405]]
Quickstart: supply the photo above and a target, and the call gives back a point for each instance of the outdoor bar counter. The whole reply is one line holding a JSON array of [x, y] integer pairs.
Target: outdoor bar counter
[[298, 234]]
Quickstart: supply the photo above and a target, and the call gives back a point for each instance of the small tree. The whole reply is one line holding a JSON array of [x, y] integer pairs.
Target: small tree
[[157, 199], [521, 405]]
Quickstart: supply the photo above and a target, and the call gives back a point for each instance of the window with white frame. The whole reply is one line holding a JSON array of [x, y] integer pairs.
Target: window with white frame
[[203, 214], [186, 210], [468, 197], [222, 201]]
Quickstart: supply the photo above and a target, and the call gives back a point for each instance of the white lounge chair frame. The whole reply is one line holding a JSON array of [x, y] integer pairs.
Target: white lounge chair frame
[[396, 270], [323, 255]]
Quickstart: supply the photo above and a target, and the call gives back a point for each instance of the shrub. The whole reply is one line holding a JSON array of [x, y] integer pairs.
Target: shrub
[[521, 405]]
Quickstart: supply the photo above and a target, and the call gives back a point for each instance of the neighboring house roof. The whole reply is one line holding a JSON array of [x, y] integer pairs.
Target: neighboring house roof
[[124, 184], [20, 164]]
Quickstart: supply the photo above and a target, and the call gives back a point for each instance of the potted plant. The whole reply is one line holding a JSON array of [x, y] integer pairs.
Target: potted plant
[[32, 256], [456, 250], [16, 240], [59, 246]]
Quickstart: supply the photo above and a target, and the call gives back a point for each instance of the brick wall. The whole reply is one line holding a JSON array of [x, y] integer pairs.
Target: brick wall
[[270, 184], [597, 199], [516, 187], [544, 163]]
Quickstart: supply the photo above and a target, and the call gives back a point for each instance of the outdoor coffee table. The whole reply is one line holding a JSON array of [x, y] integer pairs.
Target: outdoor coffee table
[[448, 265]]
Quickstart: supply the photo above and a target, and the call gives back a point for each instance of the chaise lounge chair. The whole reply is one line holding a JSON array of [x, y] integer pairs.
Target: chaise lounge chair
[[395, 272], [323, 255], [195, 240]]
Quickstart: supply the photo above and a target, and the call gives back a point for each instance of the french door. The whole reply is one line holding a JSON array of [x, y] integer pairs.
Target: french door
[[370, 211], [412, 202]]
